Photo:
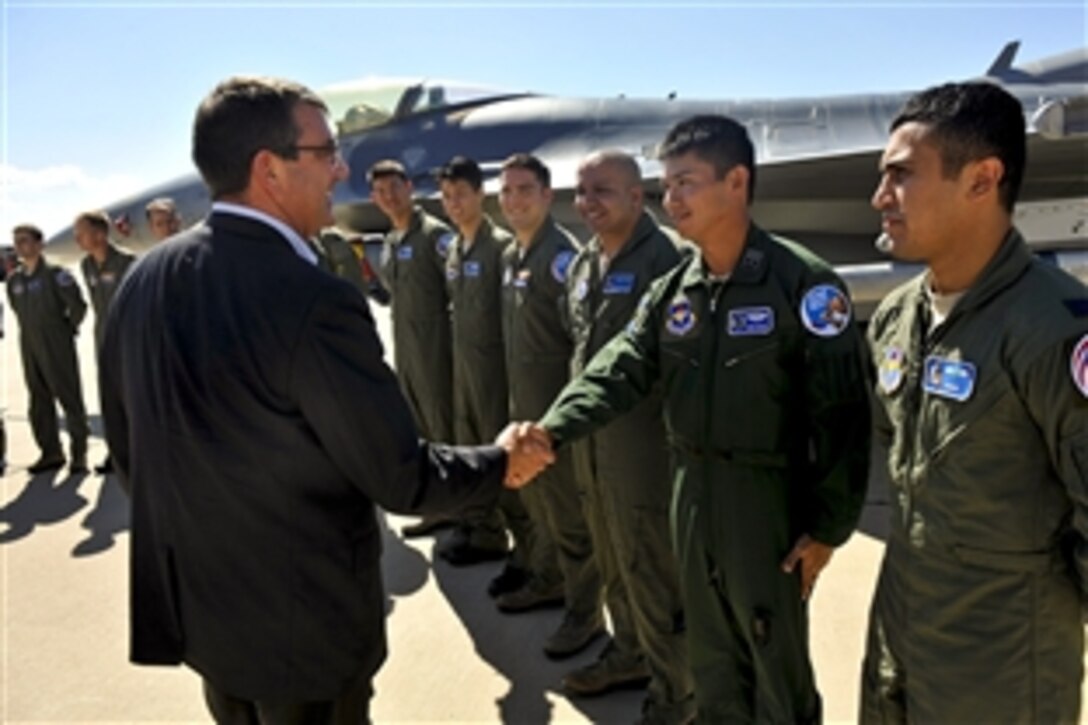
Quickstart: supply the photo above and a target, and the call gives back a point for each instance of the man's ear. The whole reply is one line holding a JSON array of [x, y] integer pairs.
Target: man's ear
[[738, 179], [985, 176], [266, 170]]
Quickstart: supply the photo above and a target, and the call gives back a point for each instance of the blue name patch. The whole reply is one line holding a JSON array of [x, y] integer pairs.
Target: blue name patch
[[750, 321], [471, 268], [404, 252], [619, 283], [952, 379]]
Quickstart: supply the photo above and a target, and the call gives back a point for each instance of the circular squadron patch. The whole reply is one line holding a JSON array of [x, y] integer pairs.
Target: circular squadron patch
[[825, 310], [560, 265], [680, 318], [64, 279], [1078, 365], [442, 246], [891, 369]]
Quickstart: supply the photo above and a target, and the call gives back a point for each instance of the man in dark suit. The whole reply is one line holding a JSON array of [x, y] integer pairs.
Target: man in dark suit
[[255, 424]]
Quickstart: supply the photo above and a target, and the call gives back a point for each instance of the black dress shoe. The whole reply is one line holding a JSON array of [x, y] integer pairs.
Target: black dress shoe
[[46, 464], [106, 466], [427, 525], [510, 579]]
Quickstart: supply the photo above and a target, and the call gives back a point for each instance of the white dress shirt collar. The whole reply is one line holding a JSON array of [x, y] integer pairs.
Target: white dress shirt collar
[[297, 243]]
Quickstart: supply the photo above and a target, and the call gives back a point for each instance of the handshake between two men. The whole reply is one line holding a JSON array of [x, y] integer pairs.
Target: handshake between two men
[[529, 451]]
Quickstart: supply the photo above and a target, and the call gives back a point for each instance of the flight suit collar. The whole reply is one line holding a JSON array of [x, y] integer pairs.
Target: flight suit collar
[[644, 230], [546, 227], [484, 231], [1011, 261], [751, 266]]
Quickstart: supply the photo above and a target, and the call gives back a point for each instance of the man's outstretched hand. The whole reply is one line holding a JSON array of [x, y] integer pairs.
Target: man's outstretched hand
[[529, 451]]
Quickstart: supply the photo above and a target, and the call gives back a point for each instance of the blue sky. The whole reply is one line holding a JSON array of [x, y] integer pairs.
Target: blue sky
[[98, 97]]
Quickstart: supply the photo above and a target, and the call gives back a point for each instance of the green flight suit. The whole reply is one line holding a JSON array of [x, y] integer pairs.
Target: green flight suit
[[624, 468], [414, 271], [102, 281], [50, 307], [768, 421], [480, 395], [538, 352], [336, 255], [977, 612]]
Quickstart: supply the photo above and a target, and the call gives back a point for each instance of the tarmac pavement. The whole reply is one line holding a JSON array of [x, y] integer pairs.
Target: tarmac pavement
[[453, 656]]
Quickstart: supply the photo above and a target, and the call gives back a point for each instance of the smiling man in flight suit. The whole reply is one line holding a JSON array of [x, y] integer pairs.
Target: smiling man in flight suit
[[768, 424], [983, 398]]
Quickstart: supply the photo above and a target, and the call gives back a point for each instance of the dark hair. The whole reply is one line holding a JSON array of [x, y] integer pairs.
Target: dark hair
[[30, 229], [972, 121], [462, 168], [385, 168], [717, 140], [530, 163], [96, 219], [240, 117]]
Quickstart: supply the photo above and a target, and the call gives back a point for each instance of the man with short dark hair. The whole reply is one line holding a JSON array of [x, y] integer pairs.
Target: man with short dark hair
[[767, 419], [624, 466], [538, 350], [255, 425], [414, 271], [982, 396], [104, 266], [162, 218], [480, 397], [49, 306]]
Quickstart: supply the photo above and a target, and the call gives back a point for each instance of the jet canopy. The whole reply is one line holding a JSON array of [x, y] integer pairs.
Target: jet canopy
[[370, 102]]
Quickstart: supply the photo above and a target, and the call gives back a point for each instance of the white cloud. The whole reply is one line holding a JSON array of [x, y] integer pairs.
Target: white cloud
[[51, 196]]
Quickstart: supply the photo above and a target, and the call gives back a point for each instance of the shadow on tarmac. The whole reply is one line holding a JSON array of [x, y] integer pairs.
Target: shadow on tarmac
[[42, 501], [404, 570], [513, 645], [109, 517]]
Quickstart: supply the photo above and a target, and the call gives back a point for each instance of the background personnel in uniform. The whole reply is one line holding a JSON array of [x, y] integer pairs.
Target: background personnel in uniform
[[255, 425], [480, 396], [538, 352], [163, 218], [414, 271], [624, 466], [103, 268], [982, 392], [768, 423], [49, 306]]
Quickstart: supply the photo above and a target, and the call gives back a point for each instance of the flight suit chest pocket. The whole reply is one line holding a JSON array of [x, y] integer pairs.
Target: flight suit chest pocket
[[751, 390], [980, 406]]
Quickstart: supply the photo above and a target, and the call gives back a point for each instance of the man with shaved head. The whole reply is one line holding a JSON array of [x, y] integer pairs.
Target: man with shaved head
[[625, 465]]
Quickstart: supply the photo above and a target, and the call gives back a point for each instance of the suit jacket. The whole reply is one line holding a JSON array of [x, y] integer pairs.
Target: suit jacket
[[255, 424]]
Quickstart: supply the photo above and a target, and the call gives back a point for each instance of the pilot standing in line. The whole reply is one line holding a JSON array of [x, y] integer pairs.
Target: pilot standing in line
[[538, 352], [414, 270], [103, 268], [768, 423], [625, 465], [983, 397], [49, 306], [163, 218], [336, 255], [480, 396]]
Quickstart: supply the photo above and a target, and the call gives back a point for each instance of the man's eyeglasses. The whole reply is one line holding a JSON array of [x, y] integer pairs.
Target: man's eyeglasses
[[330, 150]]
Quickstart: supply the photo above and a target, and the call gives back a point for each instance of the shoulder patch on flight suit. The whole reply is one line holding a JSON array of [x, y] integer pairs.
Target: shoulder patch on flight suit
[[891, 369], [750, 321], [442, 246], [825, 310], [471, 268], [17, 287], [679, 316], [560, 265], [404, 252], [952, 379], [64, 279], [1079, 308], [619, 283], [1078, 365]]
